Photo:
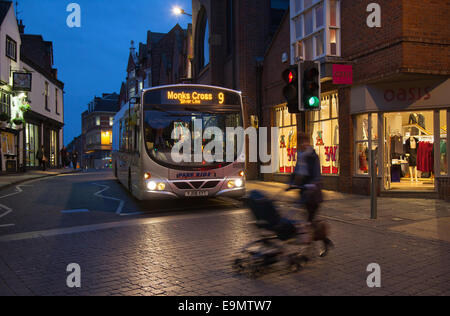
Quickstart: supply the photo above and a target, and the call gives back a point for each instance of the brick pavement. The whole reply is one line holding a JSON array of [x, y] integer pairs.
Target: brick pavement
[[191, 256], [425, 218], [8, 180]]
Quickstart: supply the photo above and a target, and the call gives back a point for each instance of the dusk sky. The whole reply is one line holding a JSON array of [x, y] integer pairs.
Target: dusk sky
[[92, 60]]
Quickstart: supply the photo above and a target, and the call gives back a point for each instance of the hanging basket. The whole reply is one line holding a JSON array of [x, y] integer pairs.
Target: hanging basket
[[25, 108], [17, 122]]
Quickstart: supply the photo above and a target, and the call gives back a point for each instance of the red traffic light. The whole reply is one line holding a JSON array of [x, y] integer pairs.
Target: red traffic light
[[289, 76]]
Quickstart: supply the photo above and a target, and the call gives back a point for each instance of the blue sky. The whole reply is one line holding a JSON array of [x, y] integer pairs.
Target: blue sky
[[92, 60]]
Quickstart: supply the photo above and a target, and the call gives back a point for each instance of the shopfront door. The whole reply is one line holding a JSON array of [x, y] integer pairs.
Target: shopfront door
[[409, 148]]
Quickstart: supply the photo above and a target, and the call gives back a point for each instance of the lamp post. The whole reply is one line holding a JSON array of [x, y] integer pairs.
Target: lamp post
[[180, 11]]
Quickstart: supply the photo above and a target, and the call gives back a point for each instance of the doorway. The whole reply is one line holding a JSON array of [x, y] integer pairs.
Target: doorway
[[409, 151]]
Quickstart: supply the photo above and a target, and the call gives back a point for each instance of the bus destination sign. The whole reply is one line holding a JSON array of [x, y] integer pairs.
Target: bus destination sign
[[192, 96]]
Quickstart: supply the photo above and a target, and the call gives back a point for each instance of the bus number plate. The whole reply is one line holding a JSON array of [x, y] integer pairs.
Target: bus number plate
[[196, 194]]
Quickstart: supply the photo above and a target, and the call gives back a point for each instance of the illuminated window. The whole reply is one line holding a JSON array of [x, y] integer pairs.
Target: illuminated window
[[97, 120], [324, 125], [315, 28], [106, 138], [443, 145], [287, 142]]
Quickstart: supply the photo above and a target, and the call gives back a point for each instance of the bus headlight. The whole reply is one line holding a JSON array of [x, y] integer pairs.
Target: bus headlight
[[152, 185], [230, 184], [239, 183], [161, 186]]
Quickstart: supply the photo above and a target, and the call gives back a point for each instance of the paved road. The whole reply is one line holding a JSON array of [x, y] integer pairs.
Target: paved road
[[166, 250]]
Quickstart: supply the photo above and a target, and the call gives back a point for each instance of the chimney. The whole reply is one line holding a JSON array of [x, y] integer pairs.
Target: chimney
[[21, 27], [132, 49]]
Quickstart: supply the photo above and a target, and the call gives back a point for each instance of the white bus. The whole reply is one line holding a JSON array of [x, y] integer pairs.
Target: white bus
[[145, 133]]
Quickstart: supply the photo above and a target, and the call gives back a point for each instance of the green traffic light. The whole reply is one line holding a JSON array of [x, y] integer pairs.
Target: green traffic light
[[314, 102]]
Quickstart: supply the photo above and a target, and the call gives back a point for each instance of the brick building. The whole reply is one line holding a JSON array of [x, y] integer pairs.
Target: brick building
[[163, 59], [398, 105], [230, 39]]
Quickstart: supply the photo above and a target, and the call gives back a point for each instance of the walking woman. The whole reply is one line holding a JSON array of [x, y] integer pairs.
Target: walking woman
[[42, 159]]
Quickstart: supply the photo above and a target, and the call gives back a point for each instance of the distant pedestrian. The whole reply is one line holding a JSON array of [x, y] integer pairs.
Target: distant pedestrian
[[75, 159], [64, 157], [41, 157]]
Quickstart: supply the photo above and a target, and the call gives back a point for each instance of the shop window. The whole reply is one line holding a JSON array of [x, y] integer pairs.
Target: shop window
[[363, 140], [287, 143], [31, 144], [53, 148], [362, 144], [443, 145], [324, 125]]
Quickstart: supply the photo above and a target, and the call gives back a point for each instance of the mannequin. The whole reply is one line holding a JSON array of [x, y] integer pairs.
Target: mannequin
[[411, 152]]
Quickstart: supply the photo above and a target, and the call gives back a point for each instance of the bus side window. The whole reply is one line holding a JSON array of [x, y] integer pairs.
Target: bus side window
[[120, 135]]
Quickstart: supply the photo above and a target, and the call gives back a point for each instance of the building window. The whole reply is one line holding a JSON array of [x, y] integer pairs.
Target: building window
[[97, 121], [56, 101], [111, 121], [324, 125], [315, 28], [203, 42], [11, 48], [106, 138], [230, 26], [287, 142], [5, 103], [46, 96]]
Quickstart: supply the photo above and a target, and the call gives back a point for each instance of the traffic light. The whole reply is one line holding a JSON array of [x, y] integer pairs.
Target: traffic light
[[290, 91], [310, 81]]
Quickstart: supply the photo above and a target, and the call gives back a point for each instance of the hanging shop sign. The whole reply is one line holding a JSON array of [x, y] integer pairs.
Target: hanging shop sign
[[342, 74], [22, 81]]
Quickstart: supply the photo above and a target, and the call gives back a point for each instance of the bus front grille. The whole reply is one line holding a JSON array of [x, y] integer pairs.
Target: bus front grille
[[195, 185]]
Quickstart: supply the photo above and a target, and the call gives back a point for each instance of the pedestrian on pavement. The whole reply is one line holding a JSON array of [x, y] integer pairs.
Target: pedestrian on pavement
[[308, 178], [41, 157], [75, 159], [63, 157]]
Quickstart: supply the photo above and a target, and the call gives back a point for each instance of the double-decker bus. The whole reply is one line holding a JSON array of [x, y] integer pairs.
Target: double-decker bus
[[145, 136]]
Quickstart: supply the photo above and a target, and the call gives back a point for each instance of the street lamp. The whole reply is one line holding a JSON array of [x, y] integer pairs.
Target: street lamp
[[180, 11]]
